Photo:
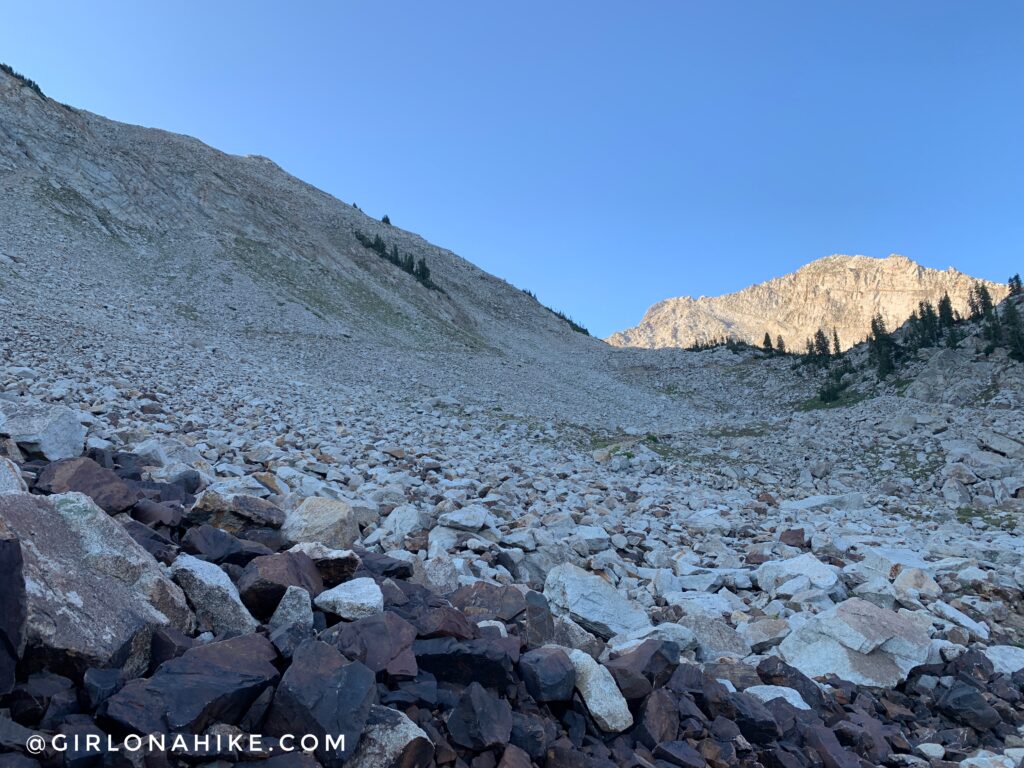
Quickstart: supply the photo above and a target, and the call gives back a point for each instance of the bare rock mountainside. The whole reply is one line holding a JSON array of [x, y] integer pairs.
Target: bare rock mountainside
[[261, 474], [841, 292]]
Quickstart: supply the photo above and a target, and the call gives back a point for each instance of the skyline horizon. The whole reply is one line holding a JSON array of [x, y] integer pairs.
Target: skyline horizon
[[671, 151]]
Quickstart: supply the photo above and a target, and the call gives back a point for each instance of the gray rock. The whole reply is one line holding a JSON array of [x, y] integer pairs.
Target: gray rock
[[295, 608], [11, 480], [51, 430], [859, 642], [774, 573], [604, 701], [327, 521], [471, 518], [592, 602], [391, 739], [1006, 659], [352, 600], [762, 634], [766, 693], [715, 638], [214, 597], [94, 596]]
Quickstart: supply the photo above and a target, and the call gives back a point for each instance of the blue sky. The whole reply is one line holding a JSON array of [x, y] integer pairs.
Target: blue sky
[[605, 155]]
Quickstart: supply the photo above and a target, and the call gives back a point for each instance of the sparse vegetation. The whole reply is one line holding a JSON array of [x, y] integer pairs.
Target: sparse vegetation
[[561, 315], [404, 262], [25, 81]]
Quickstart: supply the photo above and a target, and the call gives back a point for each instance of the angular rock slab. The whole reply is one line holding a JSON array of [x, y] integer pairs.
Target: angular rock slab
[[11, 480], [859, 642], [102, 485], [94, 596], [596, 685], [328, 521], [391, 739], [215, 683], [323, 693], [215, 598], [51, 430], [592, 602]]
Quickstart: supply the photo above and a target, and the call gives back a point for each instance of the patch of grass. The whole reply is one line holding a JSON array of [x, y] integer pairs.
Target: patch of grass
[[753, 431], [845, 400]]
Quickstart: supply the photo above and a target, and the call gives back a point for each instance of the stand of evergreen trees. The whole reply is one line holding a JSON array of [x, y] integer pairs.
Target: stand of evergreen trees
[[1001, 325], [404, 262], [561, 315]]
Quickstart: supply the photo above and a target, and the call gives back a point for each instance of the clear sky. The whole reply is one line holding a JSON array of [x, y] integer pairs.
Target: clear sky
[[604, 154]]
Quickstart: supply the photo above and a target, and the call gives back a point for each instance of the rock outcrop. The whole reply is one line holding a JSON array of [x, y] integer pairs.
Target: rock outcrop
[[836, 292]]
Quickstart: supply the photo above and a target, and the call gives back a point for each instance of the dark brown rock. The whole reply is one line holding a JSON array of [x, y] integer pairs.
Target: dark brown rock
[[257, 511], [480, 720], [658, 720], [215, 683], [548, 673], [485, 661], [444, 622], [514, 757], [382, 643], [217, 546], [266, 578], [159, 546], [103, 486], [679, 753], [755, 721], [323, 693], [154, 513], [481, 601], [966, 704], [12, 607], [823, 741]]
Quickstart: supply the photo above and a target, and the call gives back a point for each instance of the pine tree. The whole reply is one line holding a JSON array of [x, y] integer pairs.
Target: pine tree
[[422, 272], [946, 318], [822, 350], [766, 345], [1016, 288], [780, 345], [980, 301], [837, 350], [881, 351], [385, 219]]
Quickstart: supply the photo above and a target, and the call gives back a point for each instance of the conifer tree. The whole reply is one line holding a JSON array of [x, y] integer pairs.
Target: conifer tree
[[766, 345], [822, 350], [881, 350], [837, 350], [780, 345], [946, 318], [1016, 288], [385, 219]]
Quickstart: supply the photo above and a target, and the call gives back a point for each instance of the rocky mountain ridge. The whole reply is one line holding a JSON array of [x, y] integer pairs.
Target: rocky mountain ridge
[[840, 292]]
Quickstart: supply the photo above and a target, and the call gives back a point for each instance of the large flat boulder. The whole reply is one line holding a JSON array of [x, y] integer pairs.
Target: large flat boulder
[[52, 431], [592, 602], [93, 595], [859, 642]]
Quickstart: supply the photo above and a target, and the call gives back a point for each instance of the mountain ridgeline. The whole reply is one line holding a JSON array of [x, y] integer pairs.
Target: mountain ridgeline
[[840, 293]]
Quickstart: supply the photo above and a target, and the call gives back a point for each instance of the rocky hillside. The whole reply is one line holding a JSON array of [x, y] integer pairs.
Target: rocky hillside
[[287, 488], [841, 292]]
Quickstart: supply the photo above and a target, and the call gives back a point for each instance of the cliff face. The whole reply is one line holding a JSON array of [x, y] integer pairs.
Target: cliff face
[[841, 292]]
